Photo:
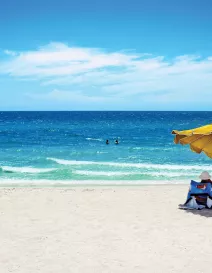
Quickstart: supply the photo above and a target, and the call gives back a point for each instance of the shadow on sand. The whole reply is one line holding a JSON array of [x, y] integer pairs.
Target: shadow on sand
[[204, 212]]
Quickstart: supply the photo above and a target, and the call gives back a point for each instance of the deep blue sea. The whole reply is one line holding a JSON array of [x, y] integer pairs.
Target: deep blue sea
[[70, 146]]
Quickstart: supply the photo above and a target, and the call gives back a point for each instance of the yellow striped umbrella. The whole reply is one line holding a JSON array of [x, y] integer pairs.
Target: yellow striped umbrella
[[199, 139]]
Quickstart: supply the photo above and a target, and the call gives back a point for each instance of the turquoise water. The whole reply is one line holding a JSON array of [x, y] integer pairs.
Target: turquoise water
[[68, 146]]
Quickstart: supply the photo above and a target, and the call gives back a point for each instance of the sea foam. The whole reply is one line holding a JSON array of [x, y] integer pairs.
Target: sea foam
[[26, 169], [134, 165]]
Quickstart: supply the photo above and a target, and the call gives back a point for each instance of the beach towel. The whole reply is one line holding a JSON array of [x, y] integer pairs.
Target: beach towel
[[199, 196]]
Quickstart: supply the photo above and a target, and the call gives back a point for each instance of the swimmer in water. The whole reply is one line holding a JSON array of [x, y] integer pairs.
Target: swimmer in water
[[116, 142], [107, 141]]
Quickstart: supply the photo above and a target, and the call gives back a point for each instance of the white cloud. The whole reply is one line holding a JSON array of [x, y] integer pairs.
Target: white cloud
[[60, 60], [9, 52], [100, 74]]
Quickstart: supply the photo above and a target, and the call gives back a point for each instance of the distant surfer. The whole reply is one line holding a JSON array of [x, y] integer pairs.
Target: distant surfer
[[107, 141], [116, 141]]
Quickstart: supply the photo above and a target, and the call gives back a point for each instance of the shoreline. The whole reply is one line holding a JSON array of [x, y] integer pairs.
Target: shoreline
[[87, 183]]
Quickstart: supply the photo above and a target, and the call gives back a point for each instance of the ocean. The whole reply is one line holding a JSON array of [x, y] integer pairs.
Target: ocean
[[66, 147]]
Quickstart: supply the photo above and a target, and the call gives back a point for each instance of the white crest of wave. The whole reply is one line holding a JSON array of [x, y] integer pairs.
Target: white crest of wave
[[94, 139], [26, 169], [153, 174], [100, 173], [134, 165]]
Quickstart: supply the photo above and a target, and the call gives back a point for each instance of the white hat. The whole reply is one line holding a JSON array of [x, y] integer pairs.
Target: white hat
[[205, 175]]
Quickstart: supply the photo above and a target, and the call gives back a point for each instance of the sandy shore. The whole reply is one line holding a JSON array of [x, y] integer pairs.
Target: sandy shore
[[102, 230]]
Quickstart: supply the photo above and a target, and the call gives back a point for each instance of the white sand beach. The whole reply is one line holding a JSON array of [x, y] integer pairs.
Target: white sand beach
[[102, 230]]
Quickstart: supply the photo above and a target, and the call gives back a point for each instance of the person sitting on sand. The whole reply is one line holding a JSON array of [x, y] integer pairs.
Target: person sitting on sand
[[205, 178], [199, 195]]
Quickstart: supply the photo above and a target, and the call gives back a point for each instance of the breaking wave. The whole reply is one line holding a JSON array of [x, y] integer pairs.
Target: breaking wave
[[25, 169], [133, 165]]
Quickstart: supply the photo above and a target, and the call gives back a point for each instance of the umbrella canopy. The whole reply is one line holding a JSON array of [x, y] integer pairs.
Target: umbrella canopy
[[199, 139]]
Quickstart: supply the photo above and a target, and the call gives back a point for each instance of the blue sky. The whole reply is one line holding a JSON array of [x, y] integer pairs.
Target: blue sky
[[105, 55]]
